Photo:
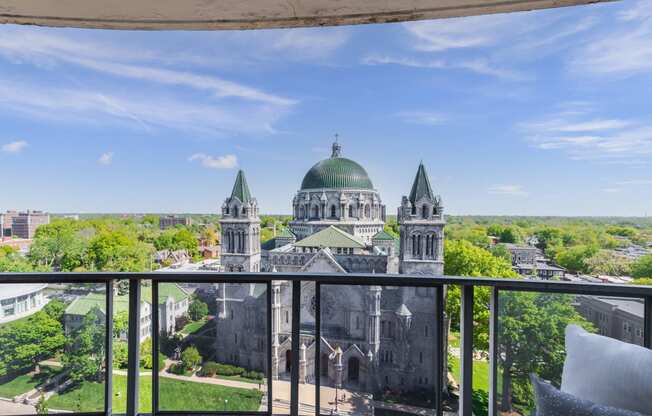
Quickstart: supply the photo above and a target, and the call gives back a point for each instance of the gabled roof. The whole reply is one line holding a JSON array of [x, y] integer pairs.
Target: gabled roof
[[286, 233], [383, 235], [240, 188], [84, 304], [331, 237], [325, 253], [421, 186]]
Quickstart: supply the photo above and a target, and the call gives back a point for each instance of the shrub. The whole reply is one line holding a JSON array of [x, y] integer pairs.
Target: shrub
[[177, 368], [190, 358], [120, 355], [181, 322], [209, 369]]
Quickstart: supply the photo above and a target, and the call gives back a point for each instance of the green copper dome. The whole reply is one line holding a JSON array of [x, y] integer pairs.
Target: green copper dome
[[337, 172]]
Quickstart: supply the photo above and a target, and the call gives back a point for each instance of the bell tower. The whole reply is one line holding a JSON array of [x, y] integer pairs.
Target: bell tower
[[240, 229], [421, 221]]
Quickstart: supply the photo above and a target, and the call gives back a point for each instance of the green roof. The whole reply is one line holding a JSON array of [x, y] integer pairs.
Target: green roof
[[331, 237], [83, 304], [421, 186], [337, 172], [286, 233], [383, 235], [240, 188]]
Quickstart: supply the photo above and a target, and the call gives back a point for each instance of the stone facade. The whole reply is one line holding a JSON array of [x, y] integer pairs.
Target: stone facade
[[240, 229], [372, 337]]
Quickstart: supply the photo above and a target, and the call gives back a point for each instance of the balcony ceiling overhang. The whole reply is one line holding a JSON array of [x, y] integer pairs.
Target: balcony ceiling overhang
[[249, 14]]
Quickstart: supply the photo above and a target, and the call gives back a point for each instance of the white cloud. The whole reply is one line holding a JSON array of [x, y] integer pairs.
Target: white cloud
[[14, 147], [584, 137], [511, 190], [622, 50], [64, 105], [105, 159], [635, 182], [431, 118], [479, 66], [310, 42], [48, 49], [217, 162]]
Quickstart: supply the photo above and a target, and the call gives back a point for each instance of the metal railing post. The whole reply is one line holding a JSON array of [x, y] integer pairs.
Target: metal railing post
[[440, 334], [493, 351], [133, 366], [317, 348], [466, 351], [108, 358], [270, 377], [294, 356], [647, 322], [155, 347]]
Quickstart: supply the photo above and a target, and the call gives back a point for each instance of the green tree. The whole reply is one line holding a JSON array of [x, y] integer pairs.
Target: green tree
[[120, 355], [531, 340], [41, 407], [606, 262], [461, 258], [178, 239], [84, 353], [27, 343], [55, 310], [58, 246], [575, 258], [642, 267], [197, 310], [120, 323], [118, 251], [15, 263], [190, 358]]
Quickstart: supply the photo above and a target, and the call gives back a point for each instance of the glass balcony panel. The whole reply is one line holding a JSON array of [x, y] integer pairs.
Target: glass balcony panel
[[52, 347], [377, 350], [531, 337], [213, 345]]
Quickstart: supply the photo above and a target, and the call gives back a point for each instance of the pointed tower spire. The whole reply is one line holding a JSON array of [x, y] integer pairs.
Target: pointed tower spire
[[421, 186], [240, 188]]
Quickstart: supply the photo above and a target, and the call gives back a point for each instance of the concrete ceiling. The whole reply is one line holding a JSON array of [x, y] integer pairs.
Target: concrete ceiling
[[249, 14]]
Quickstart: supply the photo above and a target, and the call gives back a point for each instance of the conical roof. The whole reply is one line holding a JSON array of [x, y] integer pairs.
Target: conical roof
[[421, 186], [240, 188]]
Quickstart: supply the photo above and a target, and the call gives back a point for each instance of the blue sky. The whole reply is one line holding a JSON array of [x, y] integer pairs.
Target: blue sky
[[539, 113]]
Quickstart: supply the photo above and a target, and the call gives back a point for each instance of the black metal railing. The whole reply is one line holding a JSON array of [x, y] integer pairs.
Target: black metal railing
[[467, 285]]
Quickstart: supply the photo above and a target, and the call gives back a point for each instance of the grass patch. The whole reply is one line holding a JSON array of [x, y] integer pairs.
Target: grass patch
[[480, 373], [454, 339], [193, 327], [175, 395], [25, 382]]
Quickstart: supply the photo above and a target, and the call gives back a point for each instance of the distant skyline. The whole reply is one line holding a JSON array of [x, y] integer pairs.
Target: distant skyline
[[535, 113]]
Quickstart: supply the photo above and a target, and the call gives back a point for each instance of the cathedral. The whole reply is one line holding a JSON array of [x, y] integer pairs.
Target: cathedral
[[372, 337]]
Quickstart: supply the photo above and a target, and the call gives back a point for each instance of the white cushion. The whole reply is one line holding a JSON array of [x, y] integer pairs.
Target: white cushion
[[607, 371]]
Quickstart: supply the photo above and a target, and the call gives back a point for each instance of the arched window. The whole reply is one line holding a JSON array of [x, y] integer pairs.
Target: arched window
[[227, 210], [425, 212], [315, 211], [367, 211], [235, 212], [351, 212], [332, 211], [301, 213], [414, 244], [414, 210]]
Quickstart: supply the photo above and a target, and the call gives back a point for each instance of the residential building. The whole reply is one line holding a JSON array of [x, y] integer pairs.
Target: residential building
[[24, 224], [619, 318], [20, 300], [171, 221], [173, 302]]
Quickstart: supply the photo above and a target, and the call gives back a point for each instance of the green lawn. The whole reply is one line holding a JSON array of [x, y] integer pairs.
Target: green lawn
[[175, 395], [454, 339], [480, 373], [25, 382], [193, 327]]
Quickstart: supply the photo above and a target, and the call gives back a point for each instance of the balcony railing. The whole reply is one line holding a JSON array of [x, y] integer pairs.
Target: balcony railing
[[435, 294]]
